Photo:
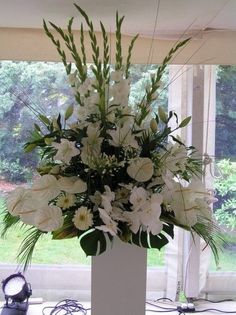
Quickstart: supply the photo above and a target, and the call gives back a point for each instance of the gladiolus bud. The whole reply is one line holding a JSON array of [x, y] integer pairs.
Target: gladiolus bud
[[153, 125]]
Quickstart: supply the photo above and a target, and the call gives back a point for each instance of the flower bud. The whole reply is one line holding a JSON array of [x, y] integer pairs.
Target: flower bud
[[153, 125], [55, 170]]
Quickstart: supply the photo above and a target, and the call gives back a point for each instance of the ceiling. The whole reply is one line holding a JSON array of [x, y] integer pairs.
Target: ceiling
[[174, 16]]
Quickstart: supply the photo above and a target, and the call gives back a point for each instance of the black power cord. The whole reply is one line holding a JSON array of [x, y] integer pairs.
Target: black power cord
[[66, 307], [188, 307]]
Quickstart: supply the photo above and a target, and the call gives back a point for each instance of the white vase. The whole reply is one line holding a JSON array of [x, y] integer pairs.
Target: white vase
[[119, 281]]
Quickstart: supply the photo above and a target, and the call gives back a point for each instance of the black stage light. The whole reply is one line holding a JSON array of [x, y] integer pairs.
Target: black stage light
[[17, 292]]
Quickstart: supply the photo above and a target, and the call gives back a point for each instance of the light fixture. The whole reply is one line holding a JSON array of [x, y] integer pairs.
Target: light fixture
[[17, 292]]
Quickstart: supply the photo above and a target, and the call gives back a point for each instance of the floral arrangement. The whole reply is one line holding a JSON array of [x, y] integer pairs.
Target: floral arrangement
[[109, 169]]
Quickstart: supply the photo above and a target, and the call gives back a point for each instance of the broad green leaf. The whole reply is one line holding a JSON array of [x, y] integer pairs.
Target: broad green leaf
[[185, 122], [69, 112], [44, 119], [93, 242], [29, 147]]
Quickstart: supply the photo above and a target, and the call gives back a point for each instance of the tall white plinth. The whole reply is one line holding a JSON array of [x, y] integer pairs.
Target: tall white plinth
[[119, 281]]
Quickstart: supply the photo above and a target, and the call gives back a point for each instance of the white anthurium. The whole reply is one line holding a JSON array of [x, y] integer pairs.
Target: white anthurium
[[65, 150], [16, 200], [123, 137], [83, 218], [46, 188], [72, 185], [138, 197], [141, 169], [185, 202], [48, 218], [30, 209], [110, 226]]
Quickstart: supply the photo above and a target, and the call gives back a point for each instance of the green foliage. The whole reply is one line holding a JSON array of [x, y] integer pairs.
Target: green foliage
[[225, 185], [27, 88], [14, 171], [226, 112]]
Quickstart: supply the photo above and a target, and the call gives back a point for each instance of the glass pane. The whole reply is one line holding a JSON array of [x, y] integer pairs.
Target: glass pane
[[225, 165]]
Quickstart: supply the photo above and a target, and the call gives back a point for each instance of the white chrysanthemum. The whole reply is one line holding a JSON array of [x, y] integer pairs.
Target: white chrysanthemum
[[48, 218], [65, 150], [66, 201], [123, 137], [46, 188], [141, 169], [72, 185], [83, 218]]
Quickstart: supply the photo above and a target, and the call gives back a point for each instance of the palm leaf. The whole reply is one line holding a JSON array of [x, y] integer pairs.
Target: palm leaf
[[27, 246]]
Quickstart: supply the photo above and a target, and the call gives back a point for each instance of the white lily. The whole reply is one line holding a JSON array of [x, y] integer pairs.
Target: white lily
[[65, 150]]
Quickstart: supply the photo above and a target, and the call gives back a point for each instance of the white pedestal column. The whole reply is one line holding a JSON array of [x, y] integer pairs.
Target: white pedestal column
[[119, 281]]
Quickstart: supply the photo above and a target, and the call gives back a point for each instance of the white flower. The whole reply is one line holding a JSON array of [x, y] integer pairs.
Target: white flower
[[150, 214], [120, 92], [83, 218], [16, 200], [72, 185], [189, 203], [107, 197], [116, 76], [133, 218], [140, 169], [66, 201], [176, 157], [91, 145], [86, 86], [110, 225], [48, 218], [65, 150], [72, 78], [138, 197], [46, 188], [123, 137]]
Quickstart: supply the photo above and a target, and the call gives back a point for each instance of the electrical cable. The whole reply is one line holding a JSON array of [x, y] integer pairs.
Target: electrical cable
[[182, 311], [66, 307], [211, 301]]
